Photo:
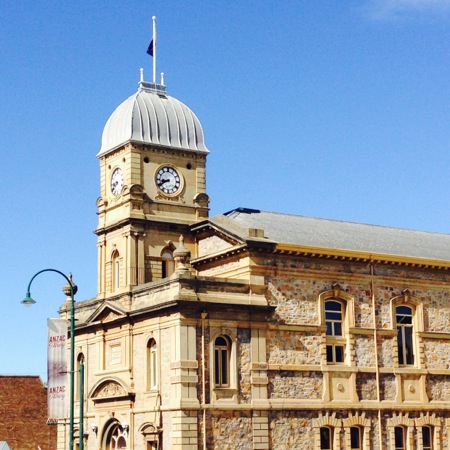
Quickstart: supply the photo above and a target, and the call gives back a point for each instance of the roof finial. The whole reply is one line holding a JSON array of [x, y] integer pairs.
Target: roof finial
[[162, 78], [182, 256], [142, 74]]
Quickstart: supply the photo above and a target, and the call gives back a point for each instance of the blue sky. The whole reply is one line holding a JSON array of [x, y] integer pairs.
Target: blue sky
[[325, 108]]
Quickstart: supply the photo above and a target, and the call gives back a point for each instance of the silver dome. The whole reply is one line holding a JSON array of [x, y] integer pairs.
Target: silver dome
[[150, 116]]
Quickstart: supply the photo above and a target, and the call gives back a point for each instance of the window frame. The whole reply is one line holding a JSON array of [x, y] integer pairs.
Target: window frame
[[404, 436], [335, 331], [417, 327], [167, 263], [115, 270], [152, 365], [337, 339], [405, 335], [360, 444], [330, 431], [80, 357], [431, 443], [221, 355]]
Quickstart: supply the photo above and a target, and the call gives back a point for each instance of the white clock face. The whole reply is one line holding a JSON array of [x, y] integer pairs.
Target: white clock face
[[168, 180], [117, 182]]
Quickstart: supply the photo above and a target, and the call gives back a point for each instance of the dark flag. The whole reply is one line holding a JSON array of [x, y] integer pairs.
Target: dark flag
[[150, 48]]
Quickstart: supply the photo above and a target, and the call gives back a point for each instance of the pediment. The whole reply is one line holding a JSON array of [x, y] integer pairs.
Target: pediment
[[110, 390], [149, 429], [214, 237], [107, 312], [213, 244]]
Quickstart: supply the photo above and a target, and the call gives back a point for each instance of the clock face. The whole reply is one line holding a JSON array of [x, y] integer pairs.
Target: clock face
[[168, 180], [117, 182]]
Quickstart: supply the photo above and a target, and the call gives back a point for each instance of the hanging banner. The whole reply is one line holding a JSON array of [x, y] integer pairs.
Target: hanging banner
[[58, 389]]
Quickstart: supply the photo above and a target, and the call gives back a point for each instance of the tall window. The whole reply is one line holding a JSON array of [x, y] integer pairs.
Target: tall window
[[356, 438], [115, 270], [168, 264], [334, 317], [400, 438], [152, 365], [404, 320], [427, 438], [222, 352], [80, 359], [326, 438]]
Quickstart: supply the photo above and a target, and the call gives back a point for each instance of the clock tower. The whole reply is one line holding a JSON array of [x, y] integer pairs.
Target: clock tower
[[152, 188]]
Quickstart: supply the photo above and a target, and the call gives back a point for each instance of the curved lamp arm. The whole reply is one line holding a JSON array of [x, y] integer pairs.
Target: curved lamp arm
[[27, 301]]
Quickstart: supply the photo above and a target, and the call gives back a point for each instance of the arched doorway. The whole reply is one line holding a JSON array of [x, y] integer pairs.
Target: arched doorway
[[115, 437]]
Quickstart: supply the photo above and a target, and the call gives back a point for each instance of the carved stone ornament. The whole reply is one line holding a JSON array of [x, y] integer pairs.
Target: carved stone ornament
[[111, 389], [66, 287], [182, 256]]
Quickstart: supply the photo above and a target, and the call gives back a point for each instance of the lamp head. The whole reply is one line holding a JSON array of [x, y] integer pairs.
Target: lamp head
[[28, 301]]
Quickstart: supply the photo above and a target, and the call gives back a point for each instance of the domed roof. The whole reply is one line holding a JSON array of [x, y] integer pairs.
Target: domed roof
[[150, 116]]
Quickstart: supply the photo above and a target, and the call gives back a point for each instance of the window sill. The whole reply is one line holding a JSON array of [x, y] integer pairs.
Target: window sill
[[224, 395]]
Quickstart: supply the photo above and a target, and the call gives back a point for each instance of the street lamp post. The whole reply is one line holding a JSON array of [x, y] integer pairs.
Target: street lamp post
[[73, 289]]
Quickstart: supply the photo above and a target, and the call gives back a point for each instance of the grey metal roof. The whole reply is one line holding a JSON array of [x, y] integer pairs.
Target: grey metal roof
[[150, 116], [335, 234], [4, 445]]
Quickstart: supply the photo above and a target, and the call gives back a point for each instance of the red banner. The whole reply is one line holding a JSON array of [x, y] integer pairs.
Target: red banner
[[58, 388]]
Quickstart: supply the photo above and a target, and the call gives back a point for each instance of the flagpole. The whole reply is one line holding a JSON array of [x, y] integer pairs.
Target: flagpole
[[154, 49]]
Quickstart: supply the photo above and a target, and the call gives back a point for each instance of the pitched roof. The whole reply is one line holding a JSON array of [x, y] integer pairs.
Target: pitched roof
[[335, 234]]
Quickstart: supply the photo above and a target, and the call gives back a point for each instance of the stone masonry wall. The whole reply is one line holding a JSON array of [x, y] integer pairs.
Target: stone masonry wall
[[244, 364], [287, 347], [231, 431], [295, 384]]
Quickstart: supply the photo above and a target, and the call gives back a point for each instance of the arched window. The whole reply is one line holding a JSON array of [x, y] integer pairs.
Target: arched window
[[333, 317], [356, 438], [326, 438], [115, 270], [427, 438], [336, 314], [80, 359], [115, 436], [334, 321], [118, 440], [357, 432], [168, 264], [222, 353], [152, 365], [400, 438], [405, 335]]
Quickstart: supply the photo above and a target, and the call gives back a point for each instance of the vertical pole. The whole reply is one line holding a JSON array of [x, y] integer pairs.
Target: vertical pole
[[73, 289], [81, 446], [377, 364], [203, 314], [72, 364], [154, 48]]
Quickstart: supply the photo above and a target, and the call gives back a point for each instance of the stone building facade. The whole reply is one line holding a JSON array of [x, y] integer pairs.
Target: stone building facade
[[251, 329]]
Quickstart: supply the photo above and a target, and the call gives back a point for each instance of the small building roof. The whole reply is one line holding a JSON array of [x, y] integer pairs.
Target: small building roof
[[336, 234]]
